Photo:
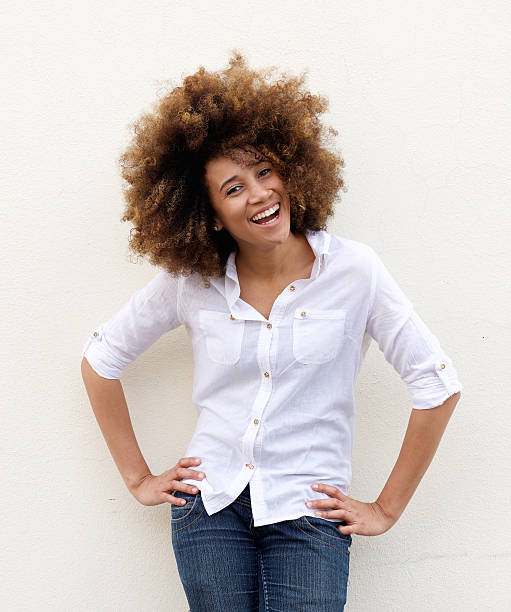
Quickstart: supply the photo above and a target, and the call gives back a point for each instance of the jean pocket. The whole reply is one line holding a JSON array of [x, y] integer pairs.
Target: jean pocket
[[326, 532], [317, 334], [182, 516], [223, 335]]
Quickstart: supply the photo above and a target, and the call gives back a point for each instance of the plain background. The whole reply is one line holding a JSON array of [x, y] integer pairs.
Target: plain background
[[420, 94]]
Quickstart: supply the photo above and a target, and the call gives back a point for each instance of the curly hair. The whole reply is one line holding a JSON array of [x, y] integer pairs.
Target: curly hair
[[212, 114]]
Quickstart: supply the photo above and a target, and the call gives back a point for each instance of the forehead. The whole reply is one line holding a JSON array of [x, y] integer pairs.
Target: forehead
[[233, 161]]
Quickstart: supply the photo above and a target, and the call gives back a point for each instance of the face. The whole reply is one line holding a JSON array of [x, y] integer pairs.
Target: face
[[238, 191]]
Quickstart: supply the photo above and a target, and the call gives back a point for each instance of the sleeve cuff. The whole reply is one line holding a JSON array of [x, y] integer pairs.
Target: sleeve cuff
[[432, 390], [96, 353]]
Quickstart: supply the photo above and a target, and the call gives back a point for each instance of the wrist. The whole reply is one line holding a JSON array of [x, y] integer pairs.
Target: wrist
[[135, 480], [391, 510]]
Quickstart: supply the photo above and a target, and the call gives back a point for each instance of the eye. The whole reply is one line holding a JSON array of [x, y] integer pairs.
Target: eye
[[231, 190]]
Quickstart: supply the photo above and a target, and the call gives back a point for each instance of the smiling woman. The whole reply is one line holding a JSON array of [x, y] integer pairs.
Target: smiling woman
[[230, 188], [257, 201], [220, 149]]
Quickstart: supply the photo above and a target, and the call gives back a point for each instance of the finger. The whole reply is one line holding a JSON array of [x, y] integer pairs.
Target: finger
[[326, 502], [185, 461], [328, 508], [189, 473], [329, 490], [176, 501], [182, 486], [346, 529], [334, 514]]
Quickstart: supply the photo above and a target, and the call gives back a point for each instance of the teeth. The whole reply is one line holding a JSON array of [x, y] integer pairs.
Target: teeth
[[267, 212]]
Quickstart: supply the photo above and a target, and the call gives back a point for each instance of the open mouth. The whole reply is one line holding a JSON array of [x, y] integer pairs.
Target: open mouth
[[271, 219]]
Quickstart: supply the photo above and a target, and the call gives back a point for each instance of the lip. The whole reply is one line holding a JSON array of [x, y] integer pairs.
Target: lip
[[275, 221], [265, 208]]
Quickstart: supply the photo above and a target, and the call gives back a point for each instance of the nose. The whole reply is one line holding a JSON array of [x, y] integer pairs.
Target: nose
[[257, 192]]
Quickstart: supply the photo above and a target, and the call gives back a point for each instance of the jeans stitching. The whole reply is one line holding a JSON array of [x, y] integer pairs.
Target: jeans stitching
[[342, 536], [320, 540], [174, 520], [190, 523], [265, 594]]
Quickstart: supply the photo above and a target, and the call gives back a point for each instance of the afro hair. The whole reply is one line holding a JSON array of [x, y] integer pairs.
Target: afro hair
[[212, 114]]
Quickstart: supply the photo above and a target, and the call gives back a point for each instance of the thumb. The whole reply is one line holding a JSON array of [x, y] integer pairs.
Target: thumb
[[345, 529]]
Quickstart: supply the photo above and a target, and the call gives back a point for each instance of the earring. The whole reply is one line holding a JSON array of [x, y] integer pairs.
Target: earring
[[216, 228]]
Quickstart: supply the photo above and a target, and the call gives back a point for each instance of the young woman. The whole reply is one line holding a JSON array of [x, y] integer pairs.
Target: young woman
[[229, 190]]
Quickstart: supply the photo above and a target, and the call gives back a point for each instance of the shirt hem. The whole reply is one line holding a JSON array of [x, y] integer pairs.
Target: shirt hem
[[267, 520]]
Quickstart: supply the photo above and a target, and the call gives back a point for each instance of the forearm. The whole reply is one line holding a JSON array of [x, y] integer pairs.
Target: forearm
[[423, 435], [111, 410]]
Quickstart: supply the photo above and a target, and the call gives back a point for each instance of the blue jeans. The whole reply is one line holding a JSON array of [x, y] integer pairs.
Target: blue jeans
[[227, 565]]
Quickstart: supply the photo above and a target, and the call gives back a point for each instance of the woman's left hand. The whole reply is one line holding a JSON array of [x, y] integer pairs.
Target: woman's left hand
[[361, 517]]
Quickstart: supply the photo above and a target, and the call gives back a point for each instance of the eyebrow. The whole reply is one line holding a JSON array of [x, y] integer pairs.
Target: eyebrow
[[233, 178]]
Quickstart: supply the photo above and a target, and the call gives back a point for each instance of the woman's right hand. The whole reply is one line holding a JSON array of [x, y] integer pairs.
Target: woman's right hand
[[153, 490]]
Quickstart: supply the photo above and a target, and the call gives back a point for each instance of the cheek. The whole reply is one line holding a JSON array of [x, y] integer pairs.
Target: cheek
[[221, 210], [234, 214], [281, 188]]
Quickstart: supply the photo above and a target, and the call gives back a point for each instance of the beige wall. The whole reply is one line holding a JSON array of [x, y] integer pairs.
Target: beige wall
[[420, 94]]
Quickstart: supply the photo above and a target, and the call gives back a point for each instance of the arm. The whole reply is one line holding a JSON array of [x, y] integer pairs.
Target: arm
[[424, 432], [423, 435], [111, 410], [416, 355], [149, 313], [146, 316]]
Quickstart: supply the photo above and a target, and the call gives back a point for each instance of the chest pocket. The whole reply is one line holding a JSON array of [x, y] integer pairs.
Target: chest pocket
[[223, 335], [317, 334]]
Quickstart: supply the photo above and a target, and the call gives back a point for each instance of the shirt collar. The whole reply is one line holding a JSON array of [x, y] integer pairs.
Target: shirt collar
[[319, 241]]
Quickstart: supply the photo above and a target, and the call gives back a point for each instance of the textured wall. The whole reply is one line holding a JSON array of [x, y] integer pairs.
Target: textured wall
[[420, 94]]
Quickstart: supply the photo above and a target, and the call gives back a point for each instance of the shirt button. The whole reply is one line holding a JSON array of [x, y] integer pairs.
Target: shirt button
[[266, 374], [303, 313], [292, 288], [442, 365], [232, 317], [95, 333], [256, 421], [268, 325]]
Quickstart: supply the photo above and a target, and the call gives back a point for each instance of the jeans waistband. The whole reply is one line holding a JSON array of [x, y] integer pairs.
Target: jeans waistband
[[245, 494]]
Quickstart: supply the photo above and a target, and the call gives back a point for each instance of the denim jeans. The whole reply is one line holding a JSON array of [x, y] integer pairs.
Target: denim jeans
[[227, 565]]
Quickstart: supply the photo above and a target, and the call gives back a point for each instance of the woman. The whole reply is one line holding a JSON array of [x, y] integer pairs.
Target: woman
[[230, 187]]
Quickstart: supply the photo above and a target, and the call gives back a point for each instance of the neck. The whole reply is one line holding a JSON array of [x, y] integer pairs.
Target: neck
[[273, 263]]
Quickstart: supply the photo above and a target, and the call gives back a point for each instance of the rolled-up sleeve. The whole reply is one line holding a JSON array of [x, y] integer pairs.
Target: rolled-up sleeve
[[148, 314], [407, 343]]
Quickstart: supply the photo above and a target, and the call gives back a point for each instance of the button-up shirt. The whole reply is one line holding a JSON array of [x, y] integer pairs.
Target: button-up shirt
[[275, 397]]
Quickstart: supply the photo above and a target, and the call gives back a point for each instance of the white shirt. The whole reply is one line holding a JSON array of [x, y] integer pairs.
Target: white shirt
[[275, 397]]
